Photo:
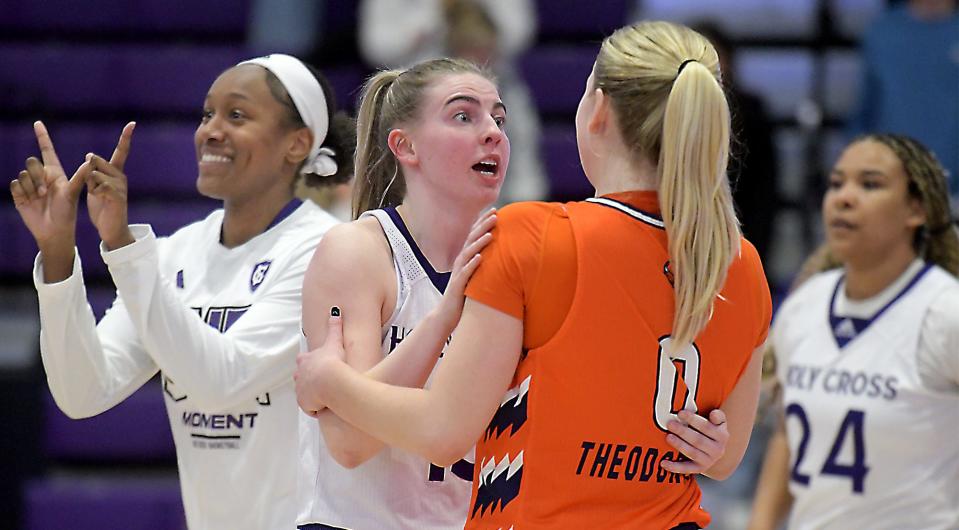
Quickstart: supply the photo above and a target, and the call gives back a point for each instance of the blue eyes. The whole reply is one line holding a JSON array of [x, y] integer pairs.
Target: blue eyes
[[464, 117]]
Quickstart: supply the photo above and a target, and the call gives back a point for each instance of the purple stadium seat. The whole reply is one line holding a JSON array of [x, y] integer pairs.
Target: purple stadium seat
[[347, 82], [566, 178], [165, 217], [162, 161], [9, 164], [573, 18], [17, 248], [176, 77], [145, 18], [154, 78], [103, 502], [100, 299], [136, 429], [556, 76]]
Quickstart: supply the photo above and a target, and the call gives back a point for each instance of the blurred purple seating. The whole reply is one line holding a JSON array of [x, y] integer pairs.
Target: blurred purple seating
[[347, 82], [136, 429], [566, 179], [162, 159], [17, 248], [574, 18], [145, 18], [165, 217], [100, 299], [556, 76], [103, 502], [9, 164], [156, 79]]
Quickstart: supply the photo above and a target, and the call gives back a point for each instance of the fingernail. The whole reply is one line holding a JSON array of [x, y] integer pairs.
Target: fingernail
[[334, 311]]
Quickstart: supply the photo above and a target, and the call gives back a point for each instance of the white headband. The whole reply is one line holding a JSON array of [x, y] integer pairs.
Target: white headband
[[310, 102]]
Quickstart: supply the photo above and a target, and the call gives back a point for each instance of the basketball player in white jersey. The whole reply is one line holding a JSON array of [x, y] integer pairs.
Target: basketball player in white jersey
[[867, 356], [215, 307], [431, 157]]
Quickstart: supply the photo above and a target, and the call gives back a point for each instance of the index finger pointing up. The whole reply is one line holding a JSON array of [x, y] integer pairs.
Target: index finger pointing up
[[47, 152], [122, 150]]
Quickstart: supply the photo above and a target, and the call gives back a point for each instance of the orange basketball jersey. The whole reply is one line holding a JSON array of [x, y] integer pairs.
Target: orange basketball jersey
[[578, 439]]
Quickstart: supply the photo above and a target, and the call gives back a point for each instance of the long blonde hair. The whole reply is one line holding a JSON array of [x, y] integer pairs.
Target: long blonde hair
[[663, 81], [391, 98]]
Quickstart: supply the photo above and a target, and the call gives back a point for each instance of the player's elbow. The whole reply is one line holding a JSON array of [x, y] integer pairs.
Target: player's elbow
[[75, 413], [445, 447], [76, 409]]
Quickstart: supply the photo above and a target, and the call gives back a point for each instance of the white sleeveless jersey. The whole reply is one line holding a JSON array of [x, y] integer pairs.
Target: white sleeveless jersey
[[870, 445], [395, 489]]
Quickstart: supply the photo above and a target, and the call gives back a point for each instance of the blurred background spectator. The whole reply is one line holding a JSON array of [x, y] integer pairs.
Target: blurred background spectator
[[397, 33], [910, 78], [753, 167]]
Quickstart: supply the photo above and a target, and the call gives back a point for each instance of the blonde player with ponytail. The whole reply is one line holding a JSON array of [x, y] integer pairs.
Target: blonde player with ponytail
[[597, 337]]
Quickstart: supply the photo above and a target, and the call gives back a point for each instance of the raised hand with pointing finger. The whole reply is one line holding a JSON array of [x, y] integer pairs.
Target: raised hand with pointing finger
[[47, 202], [107, 193]]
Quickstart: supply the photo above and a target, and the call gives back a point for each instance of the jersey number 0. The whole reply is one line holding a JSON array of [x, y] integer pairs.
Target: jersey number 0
[[667, 380]]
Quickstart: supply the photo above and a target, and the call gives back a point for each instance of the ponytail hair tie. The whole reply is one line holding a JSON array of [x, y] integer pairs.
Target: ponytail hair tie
[[683, 65]]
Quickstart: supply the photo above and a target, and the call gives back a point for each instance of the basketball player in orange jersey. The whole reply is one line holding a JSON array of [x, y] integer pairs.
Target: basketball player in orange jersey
[[593, 330]]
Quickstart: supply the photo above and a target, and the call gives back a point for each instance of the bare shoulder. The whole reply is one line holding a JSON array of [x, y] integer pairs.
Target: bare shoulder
[[355, 250]]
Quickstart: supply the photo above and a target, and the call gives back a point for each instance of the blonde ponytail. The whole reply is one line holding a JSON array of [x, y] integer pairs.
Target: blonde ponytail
[[695, 198], [663, 83], [374, 162]]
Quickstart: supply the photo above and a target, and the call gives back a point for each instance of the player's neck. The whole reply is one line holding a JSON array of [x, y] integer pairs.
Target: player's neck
[[244, 220], [438, 227], [866, 278], [619, 172]]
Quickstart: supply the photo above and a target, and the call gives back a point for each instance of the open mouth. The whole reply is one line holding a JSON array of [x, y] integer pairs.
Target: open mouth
[[486, 167]]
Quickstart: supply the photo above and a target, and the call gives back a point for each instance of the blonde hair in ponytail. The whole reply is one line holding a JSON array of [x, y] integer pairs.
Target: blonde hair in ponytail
[[373, 157], [392, 98], [664, 83]]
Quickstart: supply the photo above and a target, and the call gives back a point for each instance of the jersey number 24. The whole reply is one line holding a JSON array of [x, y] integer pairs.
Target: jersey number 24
[[852, 425]]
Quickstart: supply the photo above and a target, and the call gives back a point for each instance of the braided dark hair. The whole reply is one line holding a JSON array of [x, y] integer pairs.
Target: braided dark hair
[[937, 240]]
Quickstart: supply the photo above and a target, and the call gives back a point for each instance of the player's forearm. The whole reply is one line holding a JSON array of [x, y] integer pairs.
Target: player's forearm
[[408, 418], [348, 445], [740, 409], [773, 500], [413, 360], [216, 370]]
